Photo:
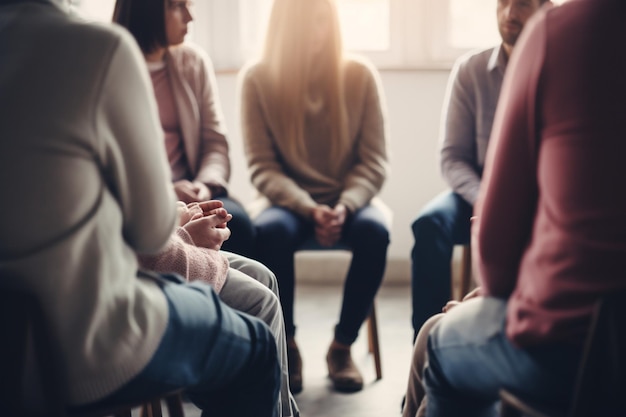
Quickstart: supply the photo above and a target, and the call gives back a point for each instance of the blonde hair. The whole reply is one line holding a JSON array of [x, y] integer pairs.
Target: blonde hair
[[286, 56]]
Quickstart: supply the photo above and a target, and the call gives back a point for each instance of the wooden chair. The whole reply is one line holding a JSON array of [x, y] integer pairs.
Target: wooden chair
[[601, 380], [465, 275], [23, 327], [372, 324]]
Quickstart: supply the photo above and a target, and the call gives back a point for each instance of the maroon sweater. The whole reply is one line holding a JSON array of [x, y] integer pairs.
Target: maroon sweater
[[551, 229]]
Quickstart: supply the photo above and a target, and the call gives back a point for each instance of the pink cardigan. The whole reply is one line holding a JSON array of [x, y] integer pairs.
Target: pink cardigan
[[182, 257], [201, 120]]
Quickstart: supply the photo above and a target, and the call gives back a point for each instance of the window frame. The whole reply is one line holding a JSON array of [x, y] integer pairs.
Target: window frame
[[418, 34]]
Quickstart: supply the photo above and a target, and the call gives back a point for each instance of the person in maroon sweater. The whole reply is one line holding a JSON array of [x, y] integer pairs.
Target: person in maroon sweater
[[550, 228]]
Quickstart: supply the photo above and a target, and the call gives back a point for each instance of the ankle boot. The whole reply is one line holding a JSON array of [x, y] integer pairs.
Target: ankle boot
[[342, 370], [295, 366]]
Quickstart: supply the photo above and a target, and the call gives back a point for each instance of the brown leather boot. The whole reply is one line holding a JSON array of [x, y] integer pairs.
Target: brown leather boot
[[342, 370], [295, 366]]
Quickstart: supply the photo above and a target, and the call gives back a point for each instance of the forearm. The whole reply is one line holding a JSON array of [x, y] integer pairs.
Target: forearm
[[462, 178]]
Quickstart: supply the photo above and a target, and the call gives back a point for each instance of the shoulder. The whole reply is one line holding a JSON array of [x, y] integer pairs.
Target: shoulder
[[475, 60], [254, 75], [359, 74], [96, 47], [88, 35], [254, 71], [360, 67], [190, 56]]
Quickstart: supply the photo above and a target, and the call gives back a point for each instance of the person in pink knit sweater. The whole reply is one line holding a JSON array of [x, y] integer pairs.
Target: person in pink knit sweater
[[193, 252]]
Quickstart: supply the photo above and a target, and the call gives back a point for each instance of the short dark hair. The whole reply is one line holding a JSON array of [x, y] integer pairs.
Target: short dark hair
[[145, 19]]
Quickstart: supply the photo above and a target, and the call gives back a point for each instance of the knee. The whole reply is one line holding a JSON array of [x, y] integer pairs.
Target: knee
[[267, 308], [272, 306], [371, 233], [267, 278], [420, 347], [426, 226], [262, 274], [276, 234]]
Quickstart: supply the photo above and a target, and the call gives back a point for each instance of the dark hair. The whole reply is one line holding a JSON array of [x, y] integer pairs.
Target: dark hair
[[145, 19]]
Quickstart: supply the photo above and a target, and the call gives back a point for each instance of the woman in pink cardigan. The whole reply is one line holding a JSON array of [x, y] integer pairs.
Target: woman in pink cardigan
[[189, 108], [193, 251]]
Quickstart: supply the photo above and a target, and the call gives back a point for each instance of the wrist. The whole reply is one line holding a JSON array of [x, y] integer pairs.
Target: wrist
[[217, 190]]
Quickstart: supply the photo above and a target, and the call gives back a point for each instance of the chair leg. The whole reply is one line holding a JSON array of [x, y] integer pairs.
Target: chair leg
[[466, 271], [374, 346], [152, 409], [175, 405]]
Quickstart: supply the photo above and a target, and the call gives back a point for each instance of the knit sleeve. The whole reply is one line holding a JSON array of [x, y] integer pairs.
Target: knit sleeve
[[180, 256], [368, 174]]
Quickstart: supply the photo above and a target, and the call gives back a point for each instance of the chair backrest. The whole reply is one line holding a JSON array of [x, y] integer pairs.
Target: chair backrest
[[601, 381], [24, 331]]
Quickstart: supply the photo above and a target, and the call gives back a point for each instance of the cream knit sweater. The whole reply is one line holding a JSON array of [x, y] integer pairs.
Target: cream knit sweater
[[285, 179], [85, 186]]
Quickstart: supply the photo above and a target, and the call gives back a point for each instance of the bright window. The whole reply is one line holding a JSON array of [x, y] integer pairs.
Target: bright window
[[472, 24], [101, 10], [365, 24], [393, 33]]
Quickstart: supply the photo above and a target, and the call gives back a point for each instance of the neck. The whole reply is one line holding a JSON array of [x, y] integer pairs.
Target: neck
[[155, 56], [508, 48]]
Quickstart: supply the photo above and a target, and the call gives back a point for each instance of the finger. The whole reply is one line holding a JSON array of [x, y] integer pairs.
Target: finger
[[214, 220], [210, 205], [194, 208], [227, 219], [221, 212]]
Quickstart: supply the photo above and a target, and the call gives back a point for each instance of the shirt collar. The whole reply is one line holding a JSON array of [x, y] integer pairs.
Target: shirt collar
[[497, 60]]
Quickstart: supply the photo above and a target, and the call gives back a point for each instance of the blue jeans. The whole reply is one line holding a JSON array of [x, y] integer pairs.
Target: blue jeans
[[242, 230], [280, 232], [226, 360], [443, 223], [470, 359]]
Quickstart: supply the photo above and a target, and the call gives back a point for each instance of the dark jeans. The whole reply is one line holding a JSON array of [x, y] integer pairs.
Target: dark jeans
[[225, 359], [443, 223], [280, 232], [242, 230]]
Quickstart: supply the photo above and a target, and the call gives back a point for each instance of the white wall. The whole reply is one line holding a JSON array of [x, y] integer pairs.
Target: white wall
[[414, 100]]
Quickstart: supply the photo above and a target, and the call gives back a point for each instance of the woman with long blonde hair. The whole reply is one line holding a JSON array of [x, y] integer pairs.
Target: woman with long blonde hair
[[315, 138]]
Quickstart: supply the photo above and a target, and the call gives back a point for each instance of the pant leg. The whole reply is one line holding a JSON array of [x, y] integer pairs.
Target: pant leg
[[225, 359], [253, 269], [444, 222], [255, 292], [470, 359], [368, 237], [243, 233], [415, 399], [279, 233]]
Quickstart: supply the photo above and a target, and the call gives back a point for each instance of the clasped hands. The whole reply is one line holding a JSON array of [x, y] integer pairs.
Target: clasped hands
[[192, 192], [206, 222], [329, 223]]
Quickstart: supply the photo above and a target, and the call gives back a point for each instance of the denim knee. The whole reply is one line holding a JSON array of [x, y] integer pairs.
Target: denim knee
[[370, 233], [427, 226]]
